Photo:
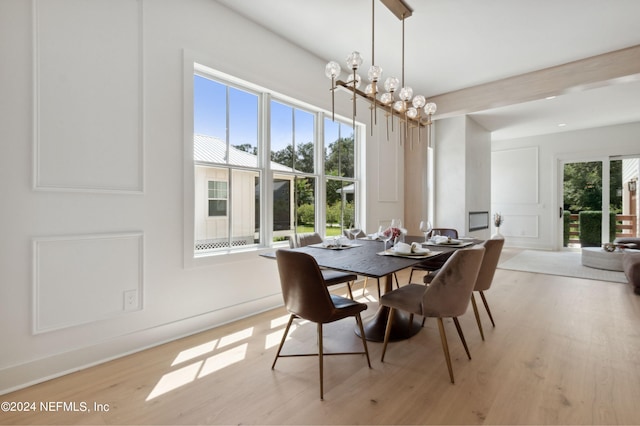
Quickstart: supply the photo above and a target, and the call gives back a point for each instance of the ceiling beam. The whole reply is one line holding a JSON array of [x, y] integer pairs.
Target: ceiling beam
[[597, 71]]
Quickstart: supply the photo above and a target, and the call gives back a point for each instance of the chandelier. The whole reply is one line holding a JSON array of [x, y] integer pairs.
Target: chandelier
[[397, 101]]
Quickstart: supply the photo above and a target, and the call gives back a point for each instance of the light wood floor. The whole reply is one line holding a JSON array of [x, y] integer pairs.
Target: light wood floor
[[564, 351]]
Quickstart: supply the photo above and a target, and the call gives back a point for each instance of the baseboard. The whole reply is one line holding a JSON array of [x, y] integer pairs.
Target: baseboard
[[23, 375]]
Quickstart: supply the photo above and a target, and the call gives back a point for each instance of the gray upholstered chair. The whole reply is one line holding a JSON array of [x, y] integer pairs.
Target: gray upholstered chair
[[331, 277], [433, 264], [493, 248], [306, 296], [447, 296]]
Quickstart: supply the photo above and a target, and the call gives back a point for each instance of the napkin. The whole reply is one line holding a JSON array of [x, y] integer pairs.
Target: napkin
[[402, 248], [439, 239]]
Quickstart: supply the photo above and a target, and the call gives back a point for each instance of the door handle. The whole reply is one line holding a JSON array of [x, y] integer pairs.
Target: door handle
[[561, 211]]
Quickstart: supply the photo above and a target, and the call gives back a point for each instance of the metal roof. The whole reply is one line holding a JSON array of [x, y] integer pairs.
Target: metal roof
[[208, 149]]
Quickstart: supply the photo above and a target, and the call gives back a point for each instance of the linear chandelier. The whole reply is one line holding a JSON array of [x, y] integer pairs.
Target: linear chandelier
[[410, 111]]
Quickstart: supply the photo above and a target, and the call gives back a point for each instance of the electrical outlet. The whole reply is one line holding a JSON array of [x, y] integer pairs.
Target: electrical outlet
[[131, 300]]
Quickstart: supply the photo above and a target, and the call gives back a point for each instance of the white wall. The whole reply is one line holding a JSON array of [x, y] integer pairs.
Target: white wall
[[125, 121], [462, 173], [525, 178]]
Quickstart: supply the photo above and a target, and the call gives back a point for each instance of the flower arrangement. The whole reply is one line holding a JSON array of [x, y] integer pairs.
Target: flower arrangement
[[394, 232], [497, 219]]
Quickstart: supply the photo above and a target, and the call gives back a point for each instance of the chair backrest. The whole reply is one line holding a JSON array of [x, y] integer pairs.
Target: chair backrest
[[449, 293], [304, 239], [492, 248], [445, 232], [303, 289]]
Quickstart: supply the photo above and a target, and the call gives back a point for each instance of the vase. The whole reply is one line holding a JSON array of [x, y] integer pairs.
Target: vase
[[497, 235]]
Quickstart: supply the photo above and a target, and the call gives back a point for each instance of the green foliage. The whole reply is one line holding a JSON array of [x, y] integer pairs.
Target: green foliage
[[591, 228], [304, 191], [335, 214], [583, 186], [306, 214], [340, 158]]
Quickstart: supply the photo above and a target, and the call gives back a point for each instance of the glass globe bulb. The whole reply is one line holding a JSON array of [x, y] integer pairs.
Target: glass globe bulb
[[332, 70], [371, 89], [419, 101], [354, 60], [375, 72], [430, 108], [412, 112], [386, 98], [405, 93], [398, 106], [391, 84], [351, 79]]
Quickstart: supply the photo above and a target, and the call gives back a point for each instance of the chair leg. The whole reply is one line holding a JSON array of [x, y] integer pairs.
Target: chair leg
[[477, 314], [366, 279], [364, 340], [445, 348], [284, 337], [464, 342], [397, 281], [486, 305], [387, 333], [349, 289], [320, 359]]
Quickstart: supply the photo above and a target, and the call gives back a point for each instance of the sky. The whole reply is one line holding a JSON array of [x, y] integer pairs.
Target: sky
[[209, 117]]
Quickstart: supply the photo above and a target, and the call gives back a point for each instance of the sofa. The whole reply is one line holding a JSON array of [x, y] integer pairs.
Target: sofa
[[631, 261]]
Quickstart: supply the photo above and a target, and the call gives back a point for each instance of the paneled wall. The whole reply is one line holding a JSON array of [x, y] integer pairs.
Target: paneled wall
[[95, 118], [525, 183]]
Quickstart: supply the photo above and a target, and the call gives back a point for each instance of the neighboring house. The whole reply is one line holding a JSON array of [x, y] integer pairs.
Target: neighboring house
[[212, 207]]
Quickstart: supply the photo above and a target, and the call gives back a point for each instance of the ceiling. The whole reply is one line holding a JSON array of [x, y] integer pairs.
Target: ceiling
[[456, 44]]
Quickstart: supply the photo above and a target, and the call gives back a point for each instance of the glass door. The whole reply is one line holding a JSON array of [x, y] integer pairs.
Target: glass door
[[596, 206]]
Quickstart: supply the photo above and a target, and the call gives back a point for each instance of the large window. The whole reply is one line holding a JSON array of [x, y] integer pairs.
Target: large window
[[256, 187]]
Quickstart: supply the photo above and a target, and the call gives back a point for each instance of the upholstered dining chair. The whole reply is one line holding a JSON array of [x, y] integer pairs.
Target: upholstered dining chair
[[306, 296], [493, 248], [433, 265], [447, 296], [331, 277]]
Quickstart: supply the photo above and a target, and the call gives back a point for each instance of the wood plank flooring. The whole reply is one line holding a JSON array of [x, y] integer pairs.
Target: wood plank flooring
[[564, 351]]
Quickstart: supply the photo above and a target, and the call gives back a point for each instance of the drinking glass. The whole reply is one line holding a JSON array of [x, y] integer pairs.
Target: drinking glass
[[425, 227], [396, 223], [385, 236], [355, 229]]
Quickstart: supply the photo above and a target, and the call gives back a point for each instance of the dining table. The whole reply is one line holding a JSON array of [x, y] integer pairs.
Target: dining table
[[368, 257]]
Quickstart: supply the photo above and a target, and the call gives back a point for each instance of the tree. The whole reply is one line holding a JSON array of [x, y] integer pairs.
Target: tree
[[247, 147], [583, 186], [340, 158]]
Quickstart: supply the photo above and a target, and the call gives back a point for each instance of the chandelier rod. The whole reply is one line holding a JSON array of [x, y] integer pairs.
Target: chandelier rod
[[403, 50]]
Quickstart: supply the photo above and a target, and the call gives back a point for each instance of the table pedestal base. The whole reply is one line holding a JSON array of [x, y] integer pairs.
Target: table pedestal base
[[401, 329]]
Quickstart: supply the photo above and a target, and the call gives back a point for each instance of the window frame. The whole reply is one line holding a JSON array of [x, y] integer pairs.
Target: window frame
[[193, 65]]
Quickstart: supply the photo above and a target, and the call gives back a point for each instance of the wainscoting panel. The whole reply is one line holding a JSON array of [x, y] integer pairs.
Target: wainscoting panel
[[81, 279], [520, 225], [389, 168], [514, 178], [88, 120]]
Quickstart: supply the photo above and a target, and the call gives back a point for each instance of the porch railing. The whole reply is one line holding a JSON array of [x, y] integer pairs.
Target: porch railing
[[626, 226]]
